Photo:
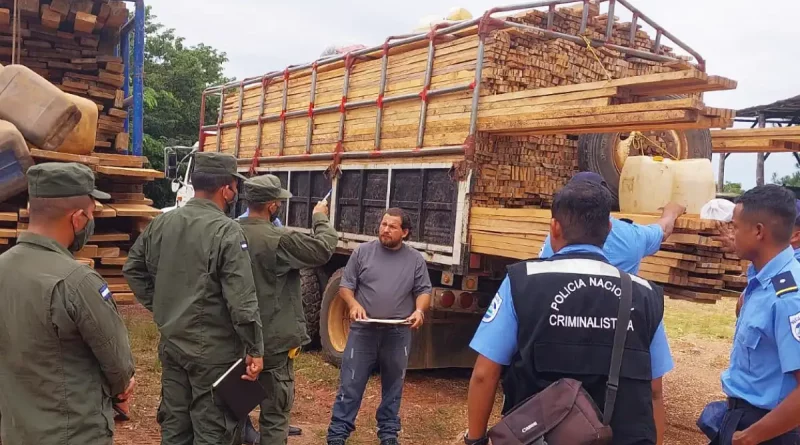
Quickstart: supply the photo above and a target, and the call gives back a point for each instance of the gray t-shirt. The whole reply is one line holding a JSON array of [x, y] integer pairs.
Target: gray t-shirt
[[386, 282]]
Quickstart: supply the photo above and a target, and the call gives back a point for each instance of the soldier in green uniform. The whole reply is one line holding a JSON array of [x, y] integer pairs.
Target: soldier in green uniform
[[278, 254], [64, 349], [191, 268]]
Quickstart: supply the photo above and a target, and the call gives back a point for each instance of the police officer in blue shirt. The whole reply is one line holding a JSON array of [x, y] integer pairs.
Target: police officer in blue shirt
[[762, 382], [796, 232], [628, 242], [550, 315]]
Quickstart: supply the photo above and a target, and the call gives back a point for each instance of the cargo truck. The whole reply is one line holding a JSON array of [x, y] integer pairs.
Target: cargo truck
[[437, 185]]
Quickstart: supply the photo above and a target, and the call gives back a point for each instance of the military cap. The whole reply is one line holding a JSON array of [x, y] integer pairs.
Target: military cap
[[216, 163], [62, 180], [264, 189]]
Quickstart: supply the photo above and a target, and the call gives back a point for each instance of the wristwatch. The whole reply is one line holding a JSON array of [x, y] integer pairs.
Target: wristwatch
[[482, 441]]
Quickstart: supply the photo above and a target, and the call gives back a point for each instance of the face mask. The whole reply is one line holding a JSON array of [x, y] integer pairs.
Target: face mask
[[82, 236], [229, 204]]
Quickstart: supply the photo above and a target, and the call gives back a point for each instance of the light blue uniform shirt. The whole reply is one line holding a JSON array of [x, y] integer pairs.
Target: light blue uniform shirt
[[766, 345], [496, 338], [797, 254], [626, 245]]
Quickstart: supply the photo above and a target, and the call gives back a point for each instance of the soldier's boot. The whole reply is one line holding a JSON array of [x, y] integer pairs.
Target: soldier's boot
[[295, 431]]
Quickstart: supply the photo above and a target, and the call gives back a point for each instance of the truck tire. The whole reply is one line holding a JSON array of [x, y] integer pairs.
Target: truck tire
[[334, 321], [311, 291]]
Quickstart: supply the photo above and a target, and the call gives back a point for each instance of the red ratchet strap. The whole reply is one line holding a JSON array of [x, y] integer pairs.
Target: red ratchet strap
[[424, 94], [437, 38], [469, 146], [380, 101], [349, 61], [254, 163], [386, 47]]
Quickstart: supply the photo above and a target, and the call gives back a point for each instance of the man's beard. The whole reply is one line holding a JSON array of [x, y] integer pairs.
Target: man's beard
[[390, 243]]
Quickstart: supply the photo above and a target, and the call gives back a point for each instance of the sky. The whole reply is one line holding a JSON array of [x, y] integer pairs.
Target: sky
[[753, 42]]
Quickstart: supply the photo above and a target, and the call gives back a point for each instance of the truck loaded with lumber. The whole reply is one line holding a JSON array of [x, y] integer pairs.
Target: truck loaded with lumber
[[470, 128]]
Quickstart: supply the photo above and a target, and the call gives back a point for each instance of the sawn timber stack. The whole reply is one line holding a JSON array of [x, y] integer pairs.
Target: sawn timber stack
[[690, 265]]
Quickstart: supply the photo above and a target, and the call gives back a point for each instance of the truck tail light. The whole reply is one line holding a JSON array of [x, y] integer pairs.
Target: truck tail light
[[448, 299], [465, 300]]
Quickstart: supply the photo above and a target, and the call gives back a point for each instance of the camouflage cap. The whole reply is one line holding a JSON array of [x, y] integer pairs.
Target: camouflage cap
[[62, 180], [264, 189], [216, 163]]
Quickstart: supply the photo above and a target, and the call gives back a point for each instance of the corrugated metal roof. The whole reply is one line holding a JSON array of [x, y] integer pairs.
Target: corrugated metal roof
[[787, 108]]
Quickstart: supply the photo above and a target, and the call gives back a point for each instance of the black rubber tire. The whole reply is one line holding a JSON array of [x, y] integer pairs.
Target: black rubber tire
[[311, 291], [595, 154], [329, 353]]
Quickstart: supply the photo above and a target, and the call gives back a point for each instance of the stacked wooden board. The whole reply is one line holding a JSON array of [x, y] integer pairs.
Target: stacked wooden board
[[756, 140], [690, 265], [72, 44], [530, 85], [118, 221]]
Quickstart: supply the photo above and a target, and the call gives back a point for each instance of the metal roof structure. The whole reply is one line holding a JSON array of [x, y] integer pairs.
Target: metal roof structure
[[782, 110]]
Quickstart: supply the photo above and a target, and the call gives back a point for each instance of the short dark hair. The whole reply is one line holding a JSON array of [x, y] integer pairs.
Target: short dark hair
[[405, 220], [51, 209], [256, 206], [584, 211], [210, 182], [773, 206]]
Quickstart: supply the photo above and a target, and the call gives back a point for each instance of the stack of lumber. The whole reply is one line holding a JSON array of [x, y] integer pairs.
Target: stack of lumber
[[690, 265], [756, 140], [515, 171], [531, 85], [118, 221], [71, 43]]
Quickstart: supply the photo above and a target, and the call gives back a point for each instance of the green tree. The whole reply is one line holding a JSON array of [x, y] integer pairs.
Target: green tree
[[175, 76], [792, 180], [732, 187]]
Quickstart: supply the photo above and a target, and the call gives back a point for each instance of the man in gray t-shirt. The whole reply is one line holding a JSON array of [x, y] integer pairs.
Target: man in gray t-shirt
[[384, 279]]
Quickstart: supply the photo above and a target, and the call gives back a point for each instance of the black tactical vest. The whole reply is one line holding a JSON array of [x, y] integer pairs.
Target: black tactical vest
[[567, 310]]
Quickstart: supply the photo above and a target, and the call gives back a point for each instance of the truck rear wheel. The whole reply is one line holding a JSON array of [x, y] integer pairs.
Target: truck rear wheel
[[311, 291], [334, 321]]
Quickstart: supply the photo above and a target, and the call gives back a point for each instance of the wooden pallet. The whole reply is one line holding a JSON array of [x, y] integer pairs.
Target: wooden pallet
[[756, 140]]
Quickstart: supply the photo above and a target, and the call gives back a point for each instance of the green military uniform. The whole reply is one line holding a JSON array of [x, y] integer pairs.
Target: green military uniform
[[278, 254], [191, 268], [64, 350]]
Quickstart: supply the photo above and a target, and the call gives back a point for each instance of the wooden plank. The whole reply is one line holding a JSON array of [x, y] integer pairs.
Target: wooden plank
[[130, 172], [8, 233], [121, 141], [9, 216], [61, 7], [63, 157], [88, 251], [118, 261], [84, 22], [114, 160], [109, 271], [108, 252], [124, 298], [4, 241], [109, 237], [86, 261], [134, 210], [50, 19], [5, 17]]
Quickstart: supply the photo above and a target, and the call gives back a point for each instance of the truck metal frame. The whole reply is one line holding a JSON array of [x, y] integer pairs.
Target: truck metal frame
[[460, 297]]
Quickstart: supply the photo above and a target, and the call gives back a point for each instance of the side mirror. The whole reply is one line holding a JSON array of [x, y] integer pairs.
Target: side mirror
[[171, 165]]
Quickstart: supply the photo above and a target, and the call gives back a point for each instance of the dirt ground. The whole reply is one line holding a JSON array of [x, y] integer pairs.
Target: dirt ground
[[434, 402]]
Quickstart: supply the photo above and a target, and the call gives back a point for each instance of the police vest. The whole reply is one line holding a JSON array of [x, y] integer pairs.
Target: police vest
[[567, 307]]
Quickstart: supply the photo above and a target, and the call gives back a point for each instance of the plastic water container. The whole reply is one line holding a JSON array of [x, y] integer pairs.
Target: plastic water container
[[15, 159], [39, 110], [693, 184], [81, 139], [647, 184]]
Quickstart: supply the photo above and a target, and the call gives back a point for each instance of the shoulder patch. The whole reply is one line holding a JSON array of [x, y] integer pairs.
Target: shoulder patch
[[105, 292], [784, 284], [794, 325], [244, 245], [493, 309]]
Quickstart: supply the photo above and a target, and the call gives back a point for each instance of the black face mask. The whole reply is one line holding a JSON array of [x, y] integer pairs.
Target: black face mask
[[82, 237], [229, 204]]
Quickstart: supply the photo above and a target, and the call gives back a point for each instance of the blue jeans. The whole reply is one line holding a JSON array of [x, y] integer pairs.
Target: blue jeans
[[367, 346]]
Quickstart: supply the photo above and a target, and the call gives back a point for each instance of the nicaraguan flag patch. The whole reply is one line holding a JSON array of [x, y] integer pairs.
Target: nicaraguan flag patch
[[244, 245], [105, 292]]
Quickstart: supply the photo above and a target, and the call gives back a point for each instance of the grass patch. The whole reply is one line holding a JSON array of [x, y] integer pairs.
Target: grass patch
[[714, 321], [314, 369]]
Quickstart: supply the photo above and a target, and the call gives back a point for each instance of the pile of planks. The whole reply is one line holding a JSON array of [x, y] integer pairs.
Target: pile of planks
[[72, 44], [690, 265], [531, 85], [756, 140], [118, 221], [515, 171]]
